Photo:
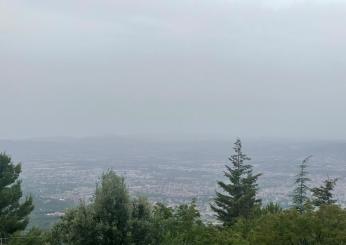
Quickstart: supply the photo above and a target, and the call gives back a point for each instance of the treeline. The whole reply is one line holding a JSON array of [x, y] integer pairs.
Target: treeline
[[114, 217]]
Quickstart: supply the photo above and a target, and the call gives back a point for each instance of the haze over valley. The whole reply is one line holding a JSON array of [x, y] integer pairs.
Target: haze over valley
[[61, 172]]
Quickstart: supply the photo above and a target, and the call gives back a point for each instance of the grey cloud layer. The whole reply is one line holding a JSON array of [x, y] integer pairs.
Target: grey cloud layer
[[215, 68]]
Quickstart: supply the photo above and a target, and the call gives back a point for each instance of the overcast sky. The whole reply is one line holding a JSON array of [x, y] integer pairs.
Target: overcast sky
[[179, 68]]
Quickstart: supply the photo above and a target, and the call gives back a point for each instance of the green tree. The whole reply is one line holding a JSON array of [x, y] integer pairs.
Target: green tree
[[184, 226], [239, 195], [76, 227], [105, 221], [188, 221], [300, 193], [323, 195], [112, 209], [141, 224], [162, 222], [14, 213]]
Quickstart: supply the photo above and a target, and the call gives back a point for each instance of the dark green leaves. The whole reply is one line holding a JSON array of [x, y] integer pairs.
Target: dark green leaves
[[13, 212]]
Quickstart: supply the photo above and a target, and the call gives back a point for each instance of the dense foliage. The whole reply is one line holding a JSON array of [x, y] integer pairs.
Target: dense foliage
[[13, 211], [323, 195], [114, 217]]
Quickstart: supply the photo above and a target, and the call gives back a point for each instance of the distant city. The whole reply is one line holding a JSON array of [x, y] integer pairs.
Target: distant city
[[59, 173]]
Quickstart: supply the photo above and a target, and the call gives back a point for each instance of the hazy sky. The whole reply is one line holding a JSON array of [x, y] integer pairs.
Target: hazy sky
[[179, 68]]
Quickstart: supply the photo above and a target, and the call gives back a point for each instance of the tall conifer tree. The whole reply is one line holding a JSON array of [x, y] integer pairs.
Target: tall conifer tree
[[238, 196], [13, 213], [300, 193]]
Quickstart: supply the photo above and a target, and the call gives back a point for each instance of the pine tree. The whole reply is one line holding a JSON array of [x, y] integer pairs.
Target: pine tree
[[300, 193], [323, 195], [13, 212], [239, 195]]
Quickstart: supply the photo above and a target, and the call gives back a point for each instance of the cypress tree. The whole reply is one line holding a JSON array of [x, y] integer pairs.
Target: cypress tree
[[300, 193], [13, 212], [323, 195], [239, 195]]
